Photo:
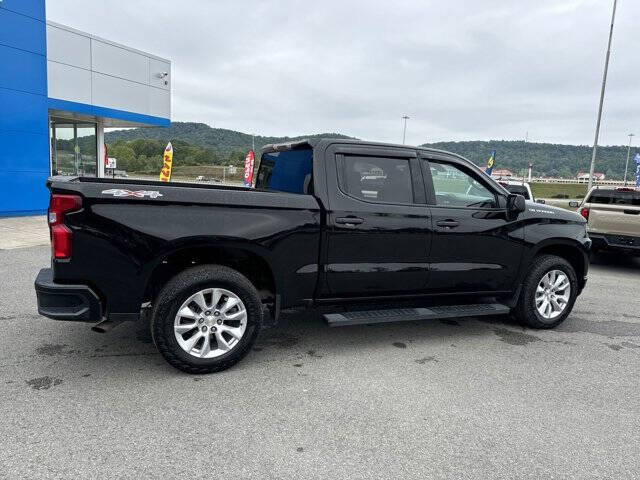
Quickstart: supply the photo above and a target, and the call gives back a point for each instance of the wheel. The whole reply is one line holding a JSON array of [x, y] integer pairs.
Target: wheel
[[548, 292], [206, 318]]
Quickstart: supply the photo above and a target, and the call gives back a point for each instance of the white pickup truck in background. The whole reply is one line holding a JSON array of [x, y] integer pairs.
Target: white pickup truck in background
[[521, 188]]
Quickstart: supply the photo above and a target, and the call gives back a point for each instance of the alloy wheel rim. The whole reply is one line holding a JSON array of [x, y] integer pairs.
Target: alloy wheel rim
[[210, 323], [552, 294]]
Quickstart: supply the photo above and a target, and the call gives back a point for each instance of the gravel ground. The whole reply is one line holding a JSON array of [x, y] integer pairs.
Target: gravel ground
[[451, 399]]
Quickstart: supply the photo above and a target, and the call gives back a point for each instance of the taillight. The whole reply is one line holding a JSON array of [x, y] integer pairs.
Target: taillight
[[584, 211], [61, 235]]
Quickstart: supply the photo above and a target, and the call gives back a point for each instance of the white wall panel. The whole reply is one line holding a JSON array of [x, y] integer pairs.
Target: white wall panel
[[120, 94], [86, 69], [68, 83], [159, 102], [119, 62], [156, 68], [68, 47]]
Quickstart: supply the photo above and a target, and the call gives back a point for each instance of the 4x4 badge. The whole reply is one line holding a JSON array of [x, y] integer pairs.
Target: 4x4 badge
[[118, 192]]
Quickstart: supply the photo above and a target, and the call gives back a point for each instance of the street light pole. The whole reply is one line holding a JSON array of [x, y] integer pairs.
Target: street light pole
[[626, 166], [524, 153], [404, 131], [604, 83]]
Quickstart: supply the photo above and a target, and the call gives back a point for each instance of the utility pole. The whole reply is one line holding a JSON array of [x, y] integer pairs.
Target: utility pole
[[626, 166], [404, 132], [524, 152], [604, 83]]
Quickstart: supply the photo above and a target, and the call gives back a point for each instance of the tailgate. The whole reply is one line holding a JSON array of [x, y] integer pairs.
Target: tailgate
[[615, 219]]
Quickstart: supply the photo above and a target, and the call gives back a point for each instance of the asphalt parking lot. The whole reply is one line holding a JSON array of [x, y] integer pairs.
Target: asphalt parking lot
[[456, 399]]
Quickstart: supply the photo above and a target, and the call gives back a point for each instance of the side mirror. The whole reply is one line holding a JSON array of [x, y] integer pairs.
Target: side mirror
[[516, 204], [574, 204], [541, 201]]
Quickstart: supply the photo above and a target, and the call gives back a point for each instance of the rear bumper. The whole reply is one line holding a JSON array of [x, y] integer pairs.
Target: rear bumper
[[625, 243], [66, 302]]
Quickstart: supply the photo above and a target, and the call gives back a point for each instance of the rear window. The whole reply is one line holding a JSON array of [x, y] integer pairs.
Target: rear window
[[518, 190], [288, 171], [615, 197]]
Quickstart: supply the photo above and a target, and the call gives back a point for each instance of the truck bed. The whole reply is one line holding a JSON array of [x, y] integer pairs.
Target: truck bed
[[121, 241]]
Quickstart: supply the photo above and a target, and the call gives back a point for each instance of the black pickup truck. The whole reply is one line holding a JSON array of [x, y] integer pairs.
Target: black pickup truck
[[364, 232]]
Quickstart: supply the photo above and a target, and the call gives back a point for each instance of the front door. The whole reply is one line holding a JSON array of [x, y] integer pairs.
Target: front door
[[74, 149], [475, 247], [378, 226]]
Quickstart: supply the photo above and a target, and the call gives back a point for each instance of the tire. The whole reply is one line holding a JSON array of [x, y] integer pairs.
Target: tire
[[526, 311], [184, 286]]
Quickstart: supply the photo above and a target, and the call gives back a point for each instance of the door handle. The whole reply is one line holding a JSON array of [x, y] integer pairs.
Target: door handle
[[447, 223], [349, 221]]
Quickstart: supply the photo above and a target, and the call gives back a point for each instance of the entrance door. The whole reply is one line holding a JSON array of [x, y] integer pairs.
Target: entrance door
[[74, 148], [378, 226]]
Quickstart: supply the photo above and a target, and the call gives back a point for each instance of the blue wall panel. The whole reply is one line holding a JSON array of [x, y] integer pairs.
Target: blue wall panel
[[25, 152], [31, 8], [22, 32], [24, 134], [23, 193], [94, 110], [23, 71], [22, 112]]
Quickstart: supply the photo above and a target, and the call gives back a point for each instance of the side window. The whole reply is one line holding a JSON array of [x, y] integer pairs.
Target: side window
[[456, 188], [376, 179]]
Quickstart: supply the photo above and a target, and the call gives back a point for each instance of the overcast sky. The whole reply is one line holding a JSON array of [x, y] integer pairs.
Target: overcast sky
[[462, 70]]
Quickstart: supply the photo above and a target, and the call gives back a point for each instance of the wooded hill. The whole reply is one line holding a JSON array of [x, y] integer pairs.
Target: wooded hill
[[198, 144], [548, 159]]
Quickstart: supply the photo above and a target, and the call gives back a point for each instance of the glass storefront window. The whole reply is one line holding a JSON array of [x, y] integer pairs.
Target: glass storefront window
[[74, 150]]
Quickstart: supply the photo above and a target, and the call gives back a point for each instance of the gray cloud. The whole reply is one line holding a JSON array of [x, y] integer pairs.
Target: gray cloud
[[462, 70]]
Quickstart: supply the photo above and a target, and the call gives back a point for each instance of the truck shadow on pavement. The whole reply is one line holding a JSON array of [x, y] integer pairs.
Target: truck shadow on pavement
[[616, 262], [298, 336], [305, 336]]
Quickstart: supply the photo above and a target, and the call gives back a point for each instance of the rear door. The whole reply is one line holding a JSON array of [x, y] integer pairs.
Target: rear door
[[475, 247], [378, 230]]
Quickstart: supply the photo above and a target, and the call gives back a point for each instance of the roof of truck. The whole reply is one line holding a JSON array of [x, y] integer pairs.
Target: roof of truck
[[314, 142]]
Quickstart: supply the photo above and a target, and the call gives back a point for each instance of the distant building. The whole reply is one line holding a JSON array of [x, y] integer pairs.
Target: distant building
[[584, 177], [502, 173]]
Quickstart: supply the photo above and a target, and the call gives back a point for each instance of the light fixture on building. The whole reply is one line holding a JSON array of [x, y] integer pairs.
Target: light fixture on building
[[161, 75]]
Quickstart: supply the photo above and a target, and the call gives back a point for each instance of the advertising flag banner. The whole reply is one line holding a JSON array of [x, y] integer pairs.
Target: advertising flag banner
[[248, 168], [637, 159], [165, 173], [492, 159]]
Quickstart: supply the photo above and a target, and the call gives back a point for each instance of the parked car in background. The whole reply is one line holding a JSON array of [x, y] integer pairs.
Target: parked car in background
[[521, 188], [204, 178], [613, 218]]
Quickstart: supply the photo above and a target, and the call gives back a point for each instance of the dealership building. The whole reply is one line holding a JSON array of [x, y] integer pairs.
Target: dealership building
[[59, 89]]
